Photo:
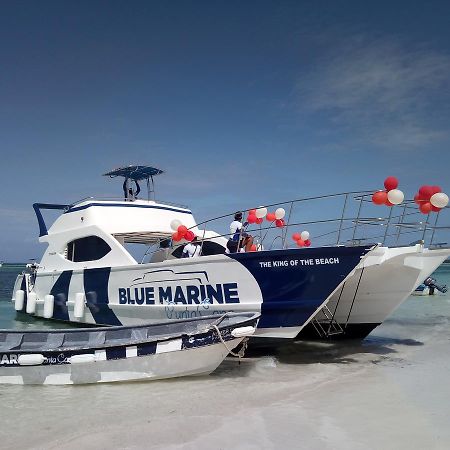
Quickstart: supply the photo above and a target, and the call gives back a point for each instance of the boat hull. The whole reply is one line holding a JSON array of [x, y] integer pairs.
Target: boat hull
[[384, 281], [287, 287]]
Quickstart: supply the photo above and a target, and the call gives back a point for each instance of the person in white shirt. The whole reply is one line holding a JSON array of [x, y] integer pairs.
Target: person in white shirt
[[239, 238], [192, 249]]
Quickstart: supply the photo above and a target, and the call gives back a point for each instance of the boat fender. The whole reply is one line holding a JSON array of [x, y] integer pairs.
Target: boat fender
[[80, 359], [31, 360], [49, 303], [31, 303], [78, 309], [243, 331], [19, 299]]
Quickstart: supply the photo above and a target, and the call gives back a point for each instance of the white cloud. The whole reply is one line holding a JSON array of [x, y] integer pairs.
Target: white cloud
[[380, 90]]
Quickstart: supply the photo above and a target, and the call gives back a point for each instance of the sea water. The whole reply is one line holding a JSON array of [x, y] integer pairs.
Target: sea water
[[390, 391]]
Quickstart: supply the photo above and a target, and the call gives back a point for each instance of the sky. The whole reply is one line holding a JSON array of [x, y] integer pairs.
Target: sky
[[241, 103]]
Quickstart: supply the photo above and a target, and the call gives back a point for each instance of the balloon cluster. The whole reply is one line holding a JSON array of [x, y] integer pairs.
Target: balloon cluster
[[257, 216], [302, 239], [391, 196], [431, 199], [181, 232]]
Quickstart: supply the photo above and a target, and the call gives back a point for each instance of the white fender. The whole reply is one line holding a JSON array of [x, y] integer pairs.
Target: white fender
[[31, 302], [19, 299], [85, 358], [49, 303], [31, 360], [242, 331], [78, 309]]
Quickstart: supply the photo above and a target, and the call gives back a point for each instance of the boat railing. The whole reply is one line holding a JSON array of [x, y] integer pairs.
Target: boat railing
[[343, 219]]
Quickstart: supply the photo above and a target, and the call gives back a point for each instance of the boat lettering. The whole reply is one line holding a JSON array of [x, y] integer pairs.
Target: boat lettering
[[186, 295], [298, 262], [9, 359]]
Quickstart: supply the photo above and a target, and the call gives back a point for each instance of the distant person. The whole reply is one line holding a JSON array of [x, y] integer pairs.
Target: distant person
[[239, 239], [192, 249]]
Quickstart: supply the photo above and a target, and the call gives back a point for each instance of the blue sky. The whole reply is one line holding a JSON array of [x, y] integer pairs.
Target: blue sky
[[242, 103]]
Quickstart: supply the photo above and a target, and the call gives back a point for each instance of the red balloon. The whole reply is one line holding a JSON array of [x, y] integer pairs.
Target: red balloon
[[182, 230], [435, 208], [259, 220], [270, 217], [307, 243], [418, 199], [390, 183], [425, 208], [189, 235], [296, 237], [252, 212], [176, 237], [279, 223], [388, 203], [300, 242], [426, 192], [436, 189], [253, 248], [379, 198], [252, 218]]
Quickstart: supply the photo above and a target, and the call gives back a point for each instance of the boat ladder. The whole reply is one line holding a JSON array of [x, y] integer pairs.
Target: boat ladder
[[326, 326]]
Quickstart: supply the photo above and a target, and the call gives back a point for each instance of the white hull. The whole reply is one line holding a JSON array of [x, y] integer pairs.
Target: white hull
[[386, 280]]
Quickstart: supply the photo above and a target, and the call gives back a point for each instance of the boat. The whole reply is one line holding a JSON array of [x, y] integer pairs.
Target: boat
[[429, 287], [109, 354], [87, 275]]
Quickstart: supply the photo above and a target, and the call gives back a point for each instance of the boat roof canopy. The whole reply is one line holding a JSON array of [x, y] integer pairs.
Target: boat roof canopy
[[136, 173]]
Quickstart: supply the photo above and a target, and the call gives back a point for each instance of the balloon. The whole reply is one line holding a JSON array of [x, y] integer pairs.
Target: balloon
[[176, 237], [253, 248], [296, 237], [189, 235], [304, 235], [279, 223], [280, 213], [259, 220], [379, 198], [435, 209], [251, 212], [395, 196], [426, 192], [251, 218], [388, 203], [436, 189], [261, 212], [307, 243], [390, 183], [270, 217], [440, 200], [182, 230], [174, 224], [418, 199], [425, 208], [300, 242]]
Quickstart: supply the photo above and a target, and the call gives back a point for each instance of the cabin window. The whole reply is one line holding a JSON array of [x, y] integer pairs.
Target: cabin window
[[209, 248], [89, 248]]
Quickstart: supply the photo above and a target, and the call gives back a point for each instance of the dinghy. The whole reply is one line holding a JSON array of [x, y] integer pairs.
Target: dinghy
[[98, 355]]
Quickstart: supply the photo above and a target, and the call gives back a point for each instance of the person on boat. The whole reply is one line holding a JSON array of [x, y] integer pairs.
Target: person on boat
[[130, 194], [239, 240], [192, 249]]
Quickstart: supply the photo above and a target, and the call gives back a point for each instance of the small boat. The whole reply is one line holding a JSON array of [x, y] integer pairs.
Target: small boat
[[429, 287], [121, 353]]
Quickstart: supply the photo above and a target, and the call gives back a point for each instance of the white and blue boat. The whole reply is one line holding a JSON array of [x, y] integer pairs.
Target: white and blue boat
[[87, 275]]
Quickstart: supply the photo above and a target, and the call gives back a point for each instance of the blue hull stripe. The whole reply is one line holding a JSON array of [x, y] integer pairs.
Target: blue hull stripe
[[126, 205], [97, 300], [293, 292], [60, 291]]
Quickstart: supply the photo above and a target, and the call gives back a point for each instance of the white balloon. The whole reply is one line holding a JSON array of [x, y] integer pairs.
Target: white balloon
[[396, 196], [304, 235], [261, 212], [175, 224], [440, 200], [280, 213]]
